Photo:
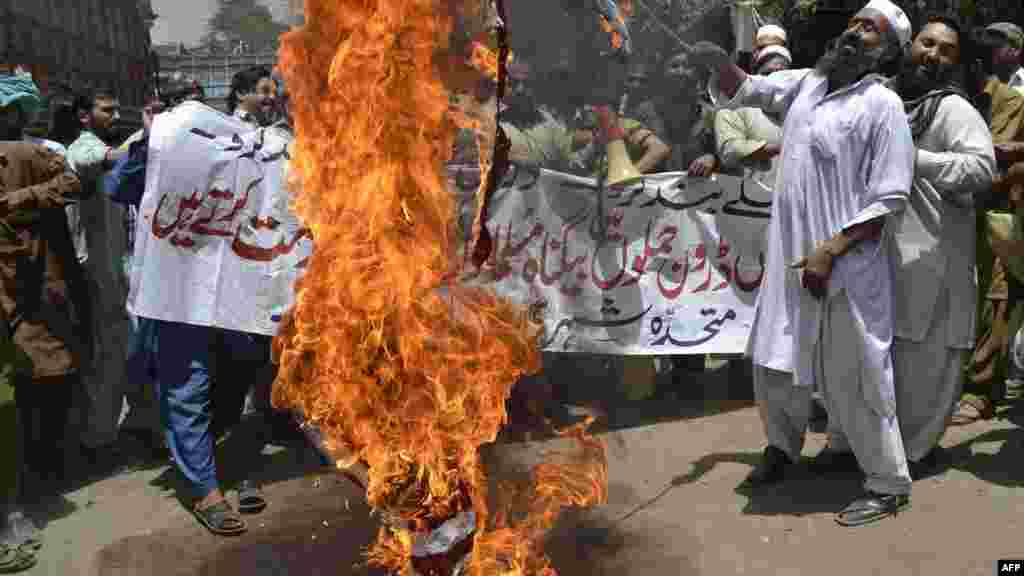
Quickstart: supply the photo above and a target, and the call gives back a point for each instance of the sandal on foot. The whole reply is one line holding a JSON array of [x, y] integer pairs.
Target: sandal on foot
[[970, 409], [220, 519], [15, 559], [872, 508], [250, 498]]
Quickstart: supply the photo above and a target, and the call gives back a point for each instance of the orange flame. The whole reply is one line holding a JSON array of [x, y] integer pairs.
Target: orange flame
[[485, 60], [408, 381]]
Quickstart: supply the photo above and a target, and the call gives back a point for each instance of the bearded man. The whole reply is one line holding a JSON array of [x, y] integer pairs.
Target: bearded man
[[846, 173], [936, 291]]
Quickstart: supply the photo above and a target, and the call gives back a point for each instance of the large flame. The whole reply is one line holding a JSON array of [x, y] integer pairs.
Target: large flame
[[410, 382]]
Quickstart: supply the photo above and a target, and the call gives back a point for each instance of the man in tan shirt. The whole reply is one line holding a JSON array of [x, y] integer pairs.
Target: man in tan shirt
[[39, 335]]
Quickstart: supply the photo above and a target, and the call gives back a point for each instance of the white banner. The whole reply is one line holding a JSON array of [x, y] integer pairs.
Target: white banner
[[215, 243], [675, 268]]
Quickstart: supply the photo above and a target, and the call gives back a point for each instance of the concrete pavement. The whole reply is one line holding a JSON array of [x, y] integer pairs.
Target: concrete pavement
[[676, 480]]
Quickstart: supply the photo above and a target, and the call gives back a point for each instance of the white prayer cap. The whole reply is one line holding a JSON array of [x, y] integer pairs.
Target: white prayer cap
[[770, 31], [897, 18], [768, 51]]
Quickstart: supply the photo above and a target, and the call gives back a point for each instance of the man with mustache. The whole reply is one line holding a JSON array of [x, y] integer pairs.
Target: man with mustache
[[847, 167], [935, 291], [536, 136], [690, 125]]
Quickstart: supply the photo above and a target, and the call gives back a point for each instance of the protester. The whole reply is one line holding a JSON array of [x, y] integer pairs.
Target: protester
[[38, 349], [537, 138], [689, 125], [104, 228], [689, 118], [646, 151], [125, 184], [640, 105], [935, 295], [1007, 54], [254, 99], [1003, 108], [190, 358], [768, 35], [847, 172], [253, 96], [748, 138]]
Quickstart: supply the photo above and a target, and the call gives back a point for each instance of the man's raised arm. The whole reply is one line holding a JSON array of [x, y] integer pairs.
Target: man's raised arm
[[773, 94]]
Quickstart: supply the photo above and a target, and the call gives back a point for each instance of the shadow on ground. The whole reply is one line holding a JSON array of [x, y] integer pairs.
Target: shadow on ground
[[295, 459], [590, 381], [996, 456], [315, 525]]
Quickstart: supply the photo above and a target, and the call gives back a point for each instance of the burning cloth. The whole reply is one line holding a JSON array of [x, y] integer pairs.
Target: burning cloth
[[372, 352]]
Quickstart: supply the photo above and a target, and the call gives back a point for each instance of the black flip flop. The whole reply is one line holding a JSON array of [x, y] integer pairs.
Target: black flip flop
[[250, 498], [15, 559], [220, 519]]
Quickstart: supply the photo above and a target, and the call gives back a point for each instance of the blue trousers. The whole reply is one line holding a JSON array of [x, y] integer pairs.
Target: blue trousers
[[185, 358]]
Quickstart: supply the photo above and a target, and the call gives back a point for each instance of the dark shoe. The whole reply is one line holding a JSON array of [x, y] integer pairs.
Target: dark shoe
[[771, 470], [831, 462], [925, 466], [871, 508], [250, 498]]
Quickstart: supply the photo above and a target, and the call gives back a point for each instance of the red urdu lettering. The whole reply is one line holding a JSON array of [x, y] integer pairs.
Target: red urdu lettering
[[677, 267], [701, 254], [752, 285]]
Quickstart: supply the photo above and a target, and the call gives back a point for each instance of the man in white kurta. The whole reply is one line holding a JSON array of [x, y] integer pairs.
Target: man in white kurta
[[936, 289], [750, 140], [844, 178]]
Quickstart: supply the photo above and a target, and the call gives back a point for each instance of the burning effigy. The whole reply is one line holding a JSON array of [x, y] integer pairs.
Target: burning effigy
[[404, 372]]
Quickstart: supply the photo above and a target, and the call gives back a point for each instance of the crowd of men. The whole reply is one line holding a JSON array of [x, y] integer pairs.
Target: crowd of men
[[894, 232], [68, 214]]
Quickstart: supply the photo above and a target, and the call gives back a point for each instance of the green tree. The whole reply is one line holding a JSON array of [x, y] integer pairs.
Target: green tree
[[773, 9], [243, 21]]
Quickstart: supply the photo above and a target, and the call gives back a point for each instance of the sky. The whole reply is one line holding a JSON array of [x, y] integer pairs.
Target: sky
[[185, 20]]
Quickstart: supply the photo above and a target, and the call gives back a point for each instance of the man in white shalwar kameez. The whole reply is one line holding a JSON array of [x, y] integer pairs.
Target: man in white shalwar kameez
[[936, 289], [845, 177], [750, 139]]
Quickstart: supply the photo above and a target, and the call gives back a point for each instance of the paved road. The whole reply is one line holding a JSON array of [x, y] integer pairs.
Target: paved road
[[961, 520]]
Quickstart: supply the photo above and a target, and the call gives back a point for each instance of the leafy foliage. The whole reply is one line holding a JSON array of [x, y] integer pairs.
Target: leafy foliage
[[243, 21]]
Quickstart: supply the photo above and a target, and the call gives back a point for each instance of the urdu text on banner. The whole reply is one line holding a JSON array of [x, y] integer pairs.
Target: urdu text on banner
[[219, 244], [674, 270]]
